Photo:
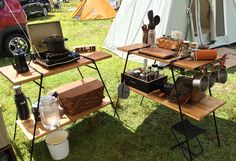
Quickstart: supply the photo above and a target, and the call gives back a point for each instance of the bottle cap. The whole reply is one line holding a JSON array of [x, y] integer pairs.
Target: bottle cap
[[17, 89], [155, 65]]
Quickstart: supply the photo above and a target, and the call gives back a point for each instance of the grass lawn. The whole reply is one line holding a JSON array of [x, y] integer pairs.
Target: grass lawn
[[142, 134]]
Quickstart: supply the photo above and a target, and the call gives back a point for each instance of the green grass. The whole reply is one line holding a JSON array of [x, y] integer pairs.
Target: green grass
[[142, 134]]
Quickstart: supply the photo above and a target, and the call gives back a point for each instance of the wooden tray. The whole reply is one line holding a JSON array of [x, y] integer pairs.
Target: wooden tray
[[158, 52]]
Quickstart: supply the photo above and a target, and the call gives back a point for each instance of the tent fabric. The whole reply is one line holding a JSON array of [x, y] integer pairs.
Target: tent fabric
[[175, 15], [94, 9]]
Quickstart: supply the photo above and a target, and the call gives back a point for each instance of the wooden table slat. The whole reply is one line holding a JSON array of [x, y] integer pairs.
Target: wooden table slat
[[20, 78], [196, 111], [27, 126]]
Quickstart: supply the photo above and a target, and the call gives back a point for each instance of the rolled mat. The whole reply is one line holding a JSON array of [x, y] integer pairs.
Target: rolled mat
[[205, 54]]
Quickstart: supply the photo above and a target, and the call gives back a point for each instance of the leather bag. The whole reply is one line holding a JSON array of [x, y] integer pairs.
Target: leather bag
[[207, 54], [80, 96]]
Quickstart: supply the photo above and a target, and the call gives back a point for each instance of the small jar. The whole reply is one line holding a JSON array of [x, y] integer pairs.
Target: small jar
[[155, 70], [151, 37], [49, 112], [137, 73], [194, 45], [143, 76]]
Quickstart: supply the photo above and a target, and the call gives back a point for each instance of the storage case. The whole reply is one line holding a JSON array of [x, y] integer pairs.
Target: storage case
[[145, 86], [40, 31], [81, 95]]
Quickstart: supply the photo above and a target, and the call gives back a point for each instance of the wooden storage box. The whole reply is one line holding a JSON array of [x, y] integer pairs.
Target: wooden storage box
[[78, 96], [145, 86]]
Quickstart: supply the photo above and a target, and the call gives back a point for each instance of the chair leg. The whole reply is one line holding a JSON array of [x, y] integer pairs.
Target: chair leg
[[180, 145], [184, 149], [141, 101]]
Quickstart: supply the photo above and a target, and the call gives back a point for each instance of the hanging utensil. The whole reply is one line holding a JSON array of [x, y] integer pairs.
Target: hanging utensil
[[123, 91], [150, 16], [156, 20]]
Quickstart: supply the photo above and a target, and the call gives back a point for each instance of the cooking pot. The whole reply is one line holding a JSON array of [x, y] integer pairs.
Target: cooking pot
[[221, 75], [55, 44], [212, 78], [200, 81]]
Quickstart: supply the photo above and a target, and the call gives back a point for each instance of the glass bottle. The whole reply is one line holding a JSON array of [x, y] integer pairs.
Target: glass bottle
[[21, 103], [49, 112]]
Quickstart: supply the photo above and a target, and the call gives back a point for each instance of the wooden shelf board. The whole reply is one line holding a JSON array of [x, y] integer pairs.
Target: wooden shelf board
[[28, 126], [167, 61], [19, 78], [196, 111], [188, 63], [132, 47]]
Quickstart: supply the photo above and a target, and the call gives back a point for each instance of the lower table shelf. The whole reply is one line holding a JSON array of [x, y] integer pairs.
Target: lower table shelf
[[28, 126], [196, 111]]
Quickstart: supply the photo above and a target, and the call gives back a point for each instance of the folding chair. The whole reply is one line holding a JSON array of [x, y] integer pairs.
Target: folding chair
[[192, 131]]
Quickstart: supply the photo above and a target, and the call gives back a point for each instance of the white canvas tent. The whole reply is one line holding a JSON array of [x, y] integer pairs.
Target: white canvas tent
[[203, 21]]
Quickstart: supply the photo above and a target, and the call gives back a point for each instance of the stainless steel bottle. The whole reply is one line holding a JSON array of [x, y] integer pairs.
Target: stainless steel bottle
[[21, 103]]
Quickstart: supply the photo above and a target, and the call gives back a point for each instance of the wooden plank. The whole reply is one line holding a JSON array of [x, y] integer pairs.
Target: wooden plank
[[190, 64], [167, 61], [186, 63], [28, 126], [20, 78], [132, 47], [196, 111], [158, 52]]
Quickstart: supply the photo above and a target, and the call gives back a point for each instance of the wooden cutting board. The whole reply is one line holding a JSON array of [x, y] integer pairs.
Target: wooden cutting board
[[158, 52], [133, 47]]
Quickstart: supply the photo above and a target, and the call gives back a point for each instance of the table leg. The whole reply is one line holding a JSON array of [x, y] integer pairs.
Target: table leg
[[14, 137], [126, 61], [35, 124], [141, 101], [180, 111], [217, 134], [80, 73], [214, 118], [100, 76]]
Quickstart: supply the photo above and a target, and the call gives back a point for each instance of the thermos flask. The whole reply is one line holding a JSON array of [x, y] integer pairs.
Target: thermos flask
[[21, 103]]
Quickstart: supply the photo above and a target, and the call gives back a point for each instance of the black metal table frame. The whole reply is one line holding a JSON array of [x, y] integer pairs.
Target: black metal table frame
[[179, 105], [40, 92]]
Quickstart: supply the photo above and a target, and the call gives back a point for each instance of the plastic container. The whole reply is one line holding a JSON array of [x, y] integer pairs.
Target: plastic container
[[49, 112], [58, 144]]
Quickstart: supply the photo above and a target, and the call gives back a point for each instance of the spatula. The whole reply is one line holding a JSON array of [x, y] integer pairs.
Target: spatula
[[156, 20]]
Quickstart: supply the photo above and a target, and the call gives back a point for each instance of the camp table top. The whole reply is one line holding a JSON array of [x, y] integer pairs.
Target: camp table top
[[34, 73]]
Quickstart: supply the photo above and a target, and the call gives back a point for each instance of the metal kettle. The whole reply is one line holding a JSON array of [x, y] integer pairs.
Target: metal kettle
[[19, 63]]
